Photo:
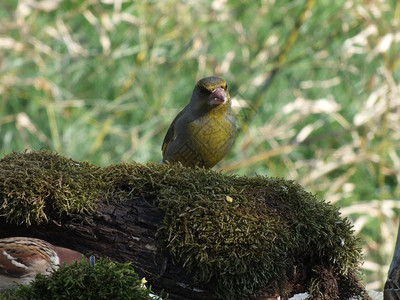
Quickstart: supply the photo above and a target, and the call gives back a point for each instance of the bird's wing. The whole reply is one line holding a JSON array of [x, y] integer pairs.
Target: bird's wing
[[170, 136], [17, 255]]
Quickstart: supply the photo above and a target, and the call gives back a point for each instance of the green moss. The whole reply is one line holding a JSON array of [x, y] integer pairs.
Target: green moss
[[35, 185], [240, 246], [81, 281], [234, 234]]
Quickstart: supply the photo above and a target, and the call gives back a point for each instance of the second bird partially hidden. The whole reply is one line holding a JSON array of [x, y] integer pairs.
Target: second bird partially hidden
[[203, 132]]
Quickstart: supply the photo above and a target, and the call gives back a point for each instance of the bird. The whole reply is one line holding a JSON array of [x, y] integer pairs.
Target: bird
[[204, 131], [21, 258]]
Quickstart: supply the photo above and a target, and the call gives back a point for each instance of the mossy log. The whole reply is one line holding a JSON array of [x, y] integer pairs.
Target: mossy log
[[194, 233], [123, 231]]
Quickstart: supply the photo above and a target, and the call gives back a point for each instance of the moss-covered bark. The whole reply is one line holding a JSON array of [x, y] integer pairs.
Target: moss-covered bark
[[196, 233]]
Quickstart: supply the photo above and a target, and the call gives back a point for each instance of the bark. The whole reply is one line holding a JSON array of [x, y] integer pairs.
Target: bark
[[122, 231], [392, 285]]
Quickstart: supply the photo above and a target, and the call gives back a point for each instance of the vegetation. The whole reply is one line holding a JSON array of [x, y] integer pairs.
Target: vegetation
[[234, 234], [106, 280], [314, 86], [34, 186]]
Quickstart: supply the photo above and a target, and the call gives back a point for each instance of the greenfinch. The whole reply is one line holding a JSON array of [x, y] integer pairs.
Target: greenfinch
[[203, 132]]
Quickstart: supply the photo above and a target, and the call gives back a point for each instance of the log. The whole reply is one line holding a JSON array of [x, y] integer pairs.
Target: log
[[193, 233], [122, 231]]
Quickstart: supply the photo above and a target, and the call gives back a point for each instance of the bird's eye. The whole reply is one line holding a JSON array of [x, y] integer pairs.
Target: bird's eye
[[203, 90]]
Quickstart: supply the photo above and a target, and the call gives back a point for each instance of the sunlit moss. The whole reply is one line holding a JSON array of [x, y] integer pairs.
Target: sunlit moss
[[37, 185], [269, 231]]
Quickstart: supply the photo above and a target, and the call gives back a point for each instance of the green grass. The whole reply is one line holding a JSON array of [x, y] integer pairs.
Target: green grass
[[101, 81]]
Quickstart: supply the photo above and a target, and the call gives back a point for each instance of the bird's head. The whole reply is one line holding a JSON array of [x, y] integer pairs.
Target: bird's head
[[210, 92]]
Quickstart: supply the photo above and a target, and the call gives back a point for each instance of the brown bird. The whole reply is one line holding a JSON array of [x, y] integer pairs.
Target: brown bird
[[21, 258], [203, 132]]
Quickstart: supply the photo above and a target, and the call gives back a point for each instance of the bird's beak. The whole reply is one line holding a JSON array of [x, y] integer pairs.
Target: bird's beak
[[218, 96]]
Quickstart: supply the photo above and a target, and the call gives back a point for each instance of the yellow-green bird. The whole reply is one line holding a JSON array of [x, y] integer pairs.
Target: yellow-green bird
[[203, 132]]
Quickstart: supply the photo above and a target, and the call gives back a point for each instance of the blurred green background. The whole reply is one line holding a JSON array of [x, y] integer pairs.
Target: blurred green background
[[314, 86]]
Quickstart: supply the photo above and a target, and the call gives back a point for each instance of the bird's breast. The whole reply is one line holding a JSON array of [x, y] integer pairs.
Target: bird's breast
[[212, 136]]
